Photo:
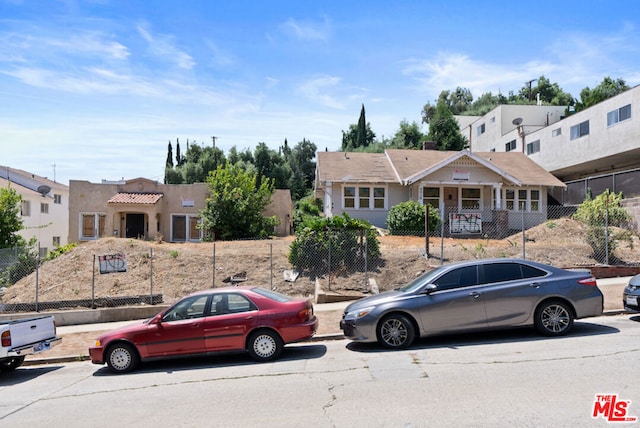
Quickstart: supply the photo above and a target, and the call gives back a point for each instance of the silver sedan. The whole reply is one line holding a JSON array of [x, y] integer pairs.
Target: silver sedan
[[631, 295], [475, 295]]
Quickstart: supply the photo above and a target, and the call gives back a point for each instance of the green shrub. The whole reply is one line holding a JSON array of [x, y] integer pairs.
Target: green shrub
[[598, 214], [60, 250], [338, 241], [407, 218]]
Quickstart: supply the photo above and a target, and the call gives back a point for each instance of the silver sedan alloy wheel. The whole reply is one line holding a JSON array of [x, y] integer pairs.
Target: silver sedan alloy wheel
[[394, 332], [555, 318]]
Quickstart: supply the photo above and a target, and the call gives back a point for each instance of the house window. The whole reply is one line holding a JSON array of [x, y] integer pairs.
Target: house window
[[92, 225], [56, 241], [470, 198], [580, 130], [481, 129], [184, 227], [556, 132], [511, 145], [493, 119], [57, 199], [431, 196], [364, 197], [43, 252], [535, 200], [533, 147], [26, 209], [618, 115], [509, 199], [194, 230], [522, 200], [44, 208], [367, 197], [379, 197], [349, 197]]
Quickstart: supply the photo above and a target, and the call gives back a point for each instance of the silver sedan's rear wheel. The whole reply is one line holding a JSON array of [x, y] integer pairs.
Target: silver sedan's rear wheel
[[395, 332], [122, 358], [553, 318], [264, 345]]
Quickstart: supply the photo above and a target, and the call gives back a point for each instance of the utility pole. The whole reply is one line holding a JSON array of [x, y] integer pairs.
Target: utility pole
[[214, 141], [529, 85]]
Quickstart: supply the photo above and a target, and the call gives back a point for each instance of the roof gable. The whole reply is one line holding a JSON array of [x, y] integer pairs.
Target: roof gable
[[410, 166]]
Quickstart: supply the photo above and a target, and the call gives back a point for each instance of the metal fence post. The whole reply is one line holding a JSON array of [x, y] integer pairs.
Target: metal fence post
[[329, 257], [366, 267], [524, 239], [37, 273], [213, 285], [606, 229], [151, 275], [442, 237], [93, 283]]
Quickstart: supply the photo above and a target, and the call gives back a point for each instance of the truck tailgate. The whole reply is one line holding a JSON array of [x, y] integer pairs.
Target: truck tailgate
[[31, 330]]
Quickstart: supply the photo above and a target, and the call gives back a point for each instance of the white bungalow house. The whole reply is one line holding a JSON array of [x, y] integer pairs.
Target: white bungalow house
[[490, 189]]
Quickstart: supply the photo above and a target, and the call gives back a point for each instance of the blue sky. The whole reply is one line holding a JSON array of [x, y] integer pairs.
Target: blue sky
[[99, 88]]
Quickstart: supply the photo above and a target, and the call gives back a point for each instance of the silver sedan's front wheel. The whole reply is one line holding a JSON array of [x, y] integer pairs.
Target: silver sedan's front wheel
[[395, 332], [554, 318]]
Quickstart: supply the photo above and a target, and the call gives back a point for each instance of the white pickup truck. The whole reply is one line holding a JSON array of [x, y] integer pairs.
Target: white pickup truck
[[22, 337]]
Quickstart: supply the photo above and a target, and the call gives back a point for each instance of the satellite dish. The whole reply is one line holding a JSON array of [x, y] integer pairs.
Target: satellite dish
[[517, 121], [43, 189]]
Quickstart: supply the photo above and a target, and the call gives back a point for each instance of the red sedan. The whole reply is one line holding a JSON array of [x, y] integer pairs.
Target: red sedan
[[245, 318]]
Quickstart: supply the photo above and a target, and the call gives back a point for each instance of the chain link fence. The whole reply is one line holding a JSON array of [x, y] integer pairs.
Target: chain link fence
[[114, 271]]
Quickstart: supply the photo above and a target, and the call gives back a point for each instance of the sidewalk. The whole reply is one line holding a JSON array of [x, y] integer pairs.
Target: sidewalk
[[329, 315]]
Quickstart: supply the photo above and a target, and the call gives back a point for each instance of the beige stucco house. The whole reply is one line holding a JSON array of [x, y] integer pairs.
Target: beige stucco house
[[490, 189], [147, 209]]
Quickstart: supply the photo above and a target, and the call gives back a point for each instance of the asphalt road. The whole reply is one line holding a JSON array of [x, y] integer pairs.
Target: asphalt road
[[507, 378]]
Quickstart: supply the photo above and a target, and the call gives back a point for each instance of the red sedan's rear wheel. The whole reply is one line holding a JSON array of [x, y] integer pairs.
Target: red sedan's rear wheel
[[264, 345]]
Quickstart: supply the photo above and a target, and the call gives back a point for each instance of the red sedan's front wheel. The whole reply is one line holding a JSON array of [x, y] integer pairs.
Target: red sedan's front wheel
[[122, 358]]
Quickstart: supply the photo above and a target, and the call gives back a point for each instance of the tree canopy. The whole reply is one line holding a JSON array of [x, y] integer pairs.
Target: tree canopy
[[359, 136], [606, 89], [10, 219], [235, 205], [288, 168], [444, 130]]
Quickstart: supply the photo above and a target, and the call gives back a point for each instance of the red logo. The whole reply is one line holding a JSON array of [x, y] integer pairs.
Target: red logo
[[611, 409]]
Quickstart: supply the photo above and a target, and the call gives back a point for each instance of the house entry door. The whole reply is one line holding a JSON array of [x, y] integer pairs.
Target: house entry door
[[450, 196]]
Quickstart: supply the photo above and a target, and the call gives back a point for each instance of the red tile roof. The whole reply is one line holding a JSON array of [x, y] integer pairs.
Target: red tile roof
[[135, 198]]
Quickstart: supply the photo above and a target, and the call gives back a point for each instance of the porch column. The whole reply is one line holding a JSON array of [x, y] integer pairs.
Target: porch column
[[497, 191]]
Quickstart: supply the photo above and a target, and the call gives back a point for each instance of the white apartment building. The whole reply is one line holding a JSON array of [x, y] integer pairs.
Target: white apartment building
[[593, 150], [44, 210]]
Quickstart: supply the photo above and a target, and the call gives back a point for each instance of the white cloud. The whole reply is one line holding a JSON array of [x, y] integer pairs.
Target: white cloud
[[308, 31], [318, 88], [163, 47]]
